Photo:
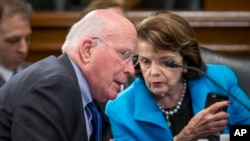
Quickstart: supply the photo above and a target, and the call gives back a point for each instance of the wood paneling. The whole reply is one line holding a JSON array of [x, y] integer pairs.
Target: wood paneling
[[49, 30], [226, 5], [227, 32]]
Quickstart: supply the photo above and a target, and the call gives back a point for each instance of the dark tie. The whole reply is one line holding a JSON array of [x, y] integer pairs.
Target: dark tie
[[96, 122], [14, 72]]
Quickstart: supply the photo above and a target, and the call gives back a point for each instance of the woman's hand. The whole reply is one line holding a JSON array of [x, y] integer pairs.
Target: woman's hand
[[208, 121]]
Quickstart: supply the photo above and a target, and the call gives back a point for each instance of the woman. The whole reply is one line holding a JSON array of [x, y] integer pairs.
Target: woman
[[166, 102]]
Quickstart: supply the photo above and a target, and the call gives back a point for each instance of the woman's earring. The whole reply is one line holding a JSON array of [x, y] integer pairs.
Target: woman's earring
[[185, 70]]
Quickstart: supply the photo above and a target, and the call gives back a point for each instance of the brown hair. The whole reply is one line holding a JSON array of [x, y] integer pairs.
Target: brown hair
[[168, 31], [12, 7], [100, 4]]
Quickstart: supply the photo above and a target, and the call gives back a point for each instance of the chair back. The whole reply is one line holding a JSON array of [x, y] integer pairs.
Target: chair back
[[240, 65]]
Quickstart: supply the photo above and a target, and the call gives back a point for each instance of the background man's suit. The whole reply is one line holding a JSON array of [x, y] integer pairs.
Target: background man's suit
[[23, 65]]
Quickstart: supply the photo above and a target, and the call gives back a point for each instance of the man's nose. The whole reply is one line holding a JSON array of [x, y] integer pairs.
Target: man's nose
[[23, 46], [129, 68]]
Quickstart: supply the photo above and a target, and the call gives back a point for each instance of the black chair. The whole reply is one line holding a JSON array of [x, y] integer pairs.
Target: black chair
[[240, 65]]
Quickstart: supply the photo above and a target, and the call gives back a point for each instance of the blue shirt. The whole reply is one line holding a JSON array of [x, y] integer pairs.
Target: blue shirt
[[86, 97]]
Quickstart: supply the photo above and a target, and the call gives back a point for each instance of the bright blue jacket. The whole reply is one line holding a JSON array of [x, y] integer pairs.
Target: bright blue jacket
[[134, 115]]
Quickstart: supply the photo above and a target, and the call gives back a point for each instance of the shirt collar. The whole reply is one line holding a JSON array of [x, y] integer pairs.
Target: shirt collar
[[83, 84], [6, 73]]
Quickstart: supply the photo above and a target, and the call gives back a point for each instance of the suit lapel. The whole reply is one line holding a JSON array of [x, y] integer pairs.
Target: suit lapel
[[1, 81], [66, 62]]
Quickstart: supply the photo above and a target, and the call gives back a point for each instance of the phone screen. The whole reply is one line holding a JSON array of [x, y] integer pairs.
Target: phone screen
[[215, 97]]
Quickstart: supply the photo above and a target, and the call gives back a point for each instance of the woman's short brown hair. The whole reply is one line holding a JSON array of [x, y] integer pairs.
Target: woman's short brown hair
[[168, 31]]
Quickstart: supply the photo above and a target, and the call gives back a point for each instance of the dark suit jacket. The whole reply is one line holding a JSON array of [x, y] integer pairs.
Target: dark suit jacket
[[24, 65], [44, 97]]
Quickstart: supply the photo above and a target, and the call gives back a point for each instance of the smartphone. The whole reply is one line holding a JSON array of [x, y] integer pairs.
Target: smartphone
[[215, 97]]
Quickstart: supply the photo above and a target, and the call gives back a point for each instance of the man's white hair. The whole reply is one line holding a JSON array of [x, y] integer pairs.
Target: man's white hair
[[98, 23]]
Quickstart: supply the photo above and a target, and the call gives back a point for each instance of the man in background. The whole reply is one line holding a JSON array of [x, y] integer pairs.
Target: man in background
[[15, 31]]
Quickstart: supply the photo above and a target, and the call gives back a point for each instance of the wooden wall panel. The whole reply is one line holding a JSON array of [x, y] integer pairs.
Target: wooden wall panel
[[227, 32], [226, 5]]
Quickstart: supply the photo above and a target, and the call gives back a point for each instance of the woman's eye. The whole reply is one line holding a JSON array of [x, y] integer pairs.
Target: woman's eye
[[145, 61], [168, 62]]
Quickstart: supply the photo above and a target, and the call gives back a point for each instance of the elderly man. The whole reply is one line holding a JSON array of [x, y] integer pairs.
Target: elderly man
[[56, 97]]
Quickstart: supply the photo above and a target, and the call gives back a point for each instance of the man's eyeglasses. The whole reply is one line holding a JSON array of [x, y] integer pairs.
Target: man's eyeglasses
[[125, 56]]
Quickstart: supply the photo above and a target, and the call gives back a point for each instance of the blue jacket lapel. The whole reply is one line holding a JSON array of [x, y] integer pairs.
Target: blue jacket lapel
[[146, 109]]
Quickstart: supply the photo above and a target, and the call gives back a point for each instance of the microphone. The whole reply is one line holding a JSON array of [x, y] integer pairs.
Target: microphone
[[173, 64]]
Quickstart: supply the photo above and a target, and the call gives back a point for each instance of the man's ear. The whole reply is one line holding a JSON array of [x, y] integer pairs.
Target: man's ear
[[86, 49]]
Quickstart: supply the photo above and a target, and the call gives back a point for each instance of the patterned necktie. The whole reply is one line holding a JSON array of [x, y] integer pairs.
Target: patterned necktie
[[96, 121]]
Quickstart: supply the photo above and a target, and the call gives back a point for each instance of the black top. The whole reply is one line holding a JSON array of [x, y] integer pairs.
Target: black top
[[182, 117]]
